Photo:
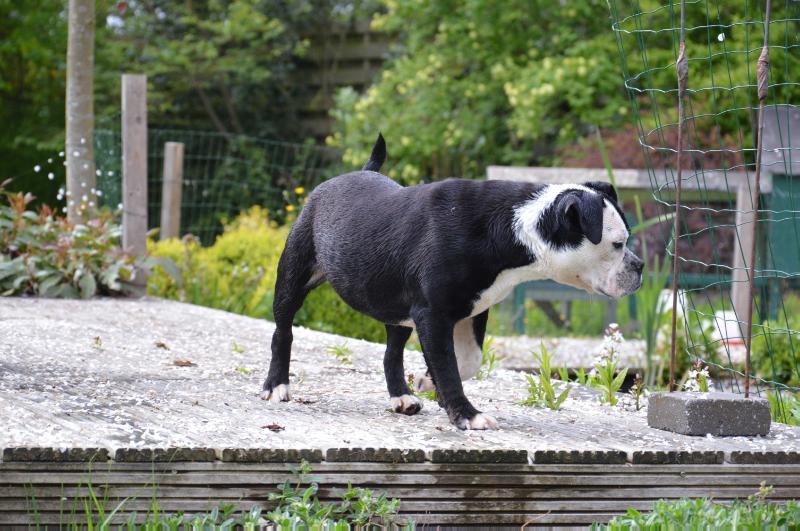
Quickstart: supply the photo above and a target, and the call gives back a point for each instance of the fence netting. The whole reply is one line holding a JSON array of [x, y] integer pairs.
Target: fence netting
[[723, 43], [222, 175]]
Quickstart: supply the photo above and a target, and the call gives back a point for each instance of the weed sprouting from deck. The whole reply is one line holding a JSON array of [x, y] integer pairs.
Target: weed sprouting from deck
[[541, 391], [342, 353], [489, 361]]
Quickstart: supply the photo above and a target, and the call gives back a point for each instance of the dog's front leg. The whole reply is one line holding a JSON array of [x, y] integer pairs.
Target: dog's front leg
[[436, 335]]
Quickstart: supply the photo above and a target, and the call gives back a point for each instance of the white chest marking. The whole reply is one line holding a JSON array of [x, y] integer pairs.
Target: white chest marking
[[503, 285]]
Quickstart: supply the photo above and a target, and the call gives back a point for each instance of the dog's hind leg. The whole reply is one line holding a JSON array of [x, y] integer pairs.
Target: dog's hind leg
[[402, 400], [296, 278], [468, 336]]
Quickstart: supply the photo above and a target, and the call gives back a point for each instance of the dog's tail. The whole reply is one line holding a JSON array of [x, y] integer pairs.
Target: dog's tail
[[378, 156]]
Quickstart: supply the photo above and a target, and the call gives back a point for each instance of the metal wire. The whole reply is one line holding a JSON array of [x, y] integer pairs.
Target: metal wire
[[716, 137], [223, 175]]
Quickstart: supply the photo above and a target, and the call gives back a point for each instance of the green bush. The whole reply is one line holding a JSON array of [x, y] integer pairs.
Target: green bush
[[237, 274], [703, 513], [776, 351], [480, 84], [43, 254]]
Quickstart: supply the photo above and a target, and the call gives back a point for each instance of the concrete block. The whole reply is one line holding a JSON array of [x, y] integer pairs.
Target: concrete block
[[718, 414]]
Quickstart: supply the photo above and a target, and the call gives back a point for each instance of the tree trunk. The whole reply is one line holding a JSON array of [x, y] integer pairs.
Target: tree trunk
[[80, 110]]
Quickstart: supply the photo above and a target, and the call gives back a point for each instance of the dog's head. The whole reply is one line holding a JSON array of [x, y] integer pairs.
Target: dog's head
[[578, 233]]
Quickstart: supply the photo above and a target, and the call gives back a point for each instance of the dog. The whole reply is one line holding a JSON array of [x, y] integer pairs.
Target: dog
[[435, 257]]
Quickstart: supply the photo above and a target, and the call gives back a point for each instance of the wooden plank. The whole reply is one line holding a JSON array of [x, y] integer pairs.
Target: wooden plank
[[421, 492], [172, 186], [344, 468], [243, 479], [742, 241], [134, 168], [707, 180]]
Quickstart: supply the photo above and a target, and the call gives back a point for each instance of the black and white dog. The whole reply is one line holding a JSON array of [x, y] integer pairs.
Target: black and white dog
[[436, 257]]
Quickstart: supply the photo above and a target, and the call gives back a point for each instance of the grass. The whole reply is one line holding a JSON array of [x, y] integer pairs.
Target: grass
[[541, 392], [341, 352], [296, 507], [489, 361], [608, 381]]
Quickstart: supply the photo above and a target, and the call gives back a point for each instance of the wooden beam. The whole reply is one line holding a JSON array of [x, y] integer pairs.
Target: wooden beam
[[171, 191], [80, 110], [134, 167], [743, 238]]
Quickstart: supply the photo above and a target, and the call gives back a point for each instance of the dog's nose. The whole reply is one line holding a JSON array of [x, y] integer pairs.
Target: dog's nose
[[638, 266]]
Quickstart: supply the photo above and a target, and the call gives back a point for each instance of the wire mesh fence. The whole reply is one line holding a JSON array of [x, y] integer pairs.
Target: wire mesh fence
[[222, 175], [718, 138]]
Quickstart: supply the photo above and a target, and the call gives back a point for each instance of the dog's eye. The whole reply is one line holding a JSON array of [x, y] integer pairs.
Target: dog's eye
[[618, 245]]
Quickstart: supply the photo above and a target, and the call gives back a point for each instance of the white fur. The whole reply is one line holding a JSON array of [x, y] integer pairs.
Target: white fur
[[481, 421], [468, 352], [279, 394], [423, 382], [405, 403], [590, 267]]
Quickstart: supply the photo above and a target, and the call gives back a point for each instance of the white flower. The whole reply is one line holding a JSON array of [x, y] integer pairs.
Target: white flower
[[75, 153], [99, 193], [37, 168], [51, 176], [61, 154], [50, 160]]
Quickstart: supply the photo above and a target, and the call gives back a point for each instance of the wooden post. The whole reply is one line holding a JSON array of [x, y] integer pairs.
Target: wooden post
[[79, 114], [745, 228], [134, 168], [171, 191]]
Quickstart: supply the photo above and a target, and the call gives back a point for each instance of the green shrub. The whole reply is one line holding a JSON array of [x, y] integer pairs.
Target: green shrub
[[43, 254], [776, 351], [237, 274], [703, 513]]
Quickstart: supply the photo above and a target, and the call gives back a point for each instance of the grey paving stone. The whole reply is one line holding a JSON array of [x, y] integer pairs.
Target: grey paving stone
[[270, 455], [764, 458], [579, 457], [717, 414], [479, 456], [58, 455], [163, 455], [375, 455], [677, 458]]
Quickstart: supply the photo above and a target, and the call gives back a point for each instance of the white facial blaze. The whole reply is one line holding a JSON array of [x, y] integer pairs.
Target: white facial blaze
[[593, 268]]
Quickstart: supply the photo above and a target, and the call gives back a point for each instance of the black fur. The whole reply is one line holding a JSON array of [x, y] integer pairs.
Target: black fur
[[378, 155], [423, 253]]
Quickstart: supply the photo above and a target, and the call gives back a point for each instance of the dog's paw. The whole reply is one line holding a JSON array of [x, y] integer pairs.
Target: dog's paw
[[481, 421], [423, 382], [406, 404], [278, 394]]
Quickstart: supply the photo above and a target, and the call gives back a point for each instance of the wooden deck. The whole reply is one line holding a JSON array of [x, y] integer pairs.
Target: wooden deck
[[136, 395]]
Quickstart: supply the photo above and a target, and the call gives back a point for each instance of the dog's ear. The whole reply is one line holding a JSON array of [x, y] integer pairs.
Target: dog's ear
[[583, 214], [603, 188]]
